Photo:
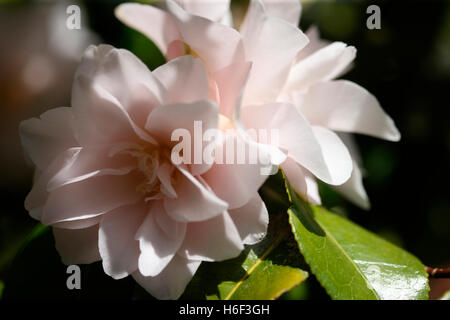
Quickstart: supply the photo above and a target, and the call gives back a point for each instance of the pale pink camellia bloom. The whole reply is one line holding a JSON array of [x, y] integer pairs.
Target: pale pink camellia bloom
[[107, 185], [290, 86]]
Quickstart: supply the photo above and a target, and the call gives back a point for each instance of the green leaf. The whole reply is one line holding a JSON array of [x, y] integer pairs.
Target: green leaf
[[351, 262], [266, 281], [260, 272]]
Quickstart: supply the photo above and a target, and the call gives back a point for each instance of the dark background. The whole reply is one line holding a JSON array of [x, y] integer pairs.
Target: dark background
[[406, 65]]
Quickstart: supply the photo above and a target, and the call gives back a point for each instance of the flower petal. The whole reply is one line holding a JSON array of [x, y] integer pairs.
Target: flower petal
[[112, 95], [196, 118], [216, 239], [335, 153], [235, 180], [159, 238], [90, 198], [288, 10], [345, 106], [89, 162], [78, 246], [217, 45], [118, 247], [37, 197], [322, 65], [45, 138], [231, 83], [297, 137], [354, 190], [251, 220], [295, 175], [272, 44], [214, 10], [156, 24], [185, 79], [194, 201], [172, 281]]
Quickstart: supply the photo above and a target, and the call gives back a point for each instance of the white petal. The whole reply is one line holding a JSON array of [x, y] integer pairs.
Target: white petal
[[172, 281], [335, 153], [216, 239], [315, 43], [297, 137], [295, 175], [345, 106], [354, 190], [251, 220], [77, 246], [324, 64], [158, 245], [288, 10], [118, 247], [212, 10], [272, 44], [45, 138]]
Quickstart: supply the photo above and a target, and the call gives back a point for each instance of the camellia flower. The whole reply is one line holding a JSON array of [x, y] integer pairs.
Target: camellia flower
[[106, 183], [290, 86]]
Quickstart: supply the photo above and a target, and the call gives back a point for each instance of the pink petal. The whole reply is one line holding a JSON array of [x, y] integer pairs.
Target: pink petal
[[35, 200], [215, 239], [90, 198], [77, 246], [214, 10], [185, 79], [345, 106], [272, 45], [217, 45], [112, 95], [156, 24], [231, 82], [172, 281], [164, 120], [159, 238], [251, 220], [194, 201], [235, 183], [47, 137], [90, 162], [118, 247]]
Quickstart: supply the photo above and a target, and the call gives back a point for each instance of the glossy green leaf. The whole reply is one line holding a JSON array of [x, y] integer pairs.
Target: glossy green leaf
[[263, 271], [266, 282], [351, 262]]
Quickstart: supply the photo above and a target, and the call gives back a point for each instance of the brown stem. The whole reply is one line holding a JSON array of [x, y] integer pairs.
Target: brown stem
[[438, 272]]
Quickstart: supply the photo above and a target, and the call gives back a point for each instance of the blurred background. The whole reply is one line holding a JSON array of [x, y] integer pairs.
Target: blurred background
[[405, 64]]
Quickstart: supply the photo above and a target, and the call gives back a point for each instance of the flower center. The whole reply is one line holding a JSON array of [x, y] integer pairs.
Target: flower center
[[148, 161]]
